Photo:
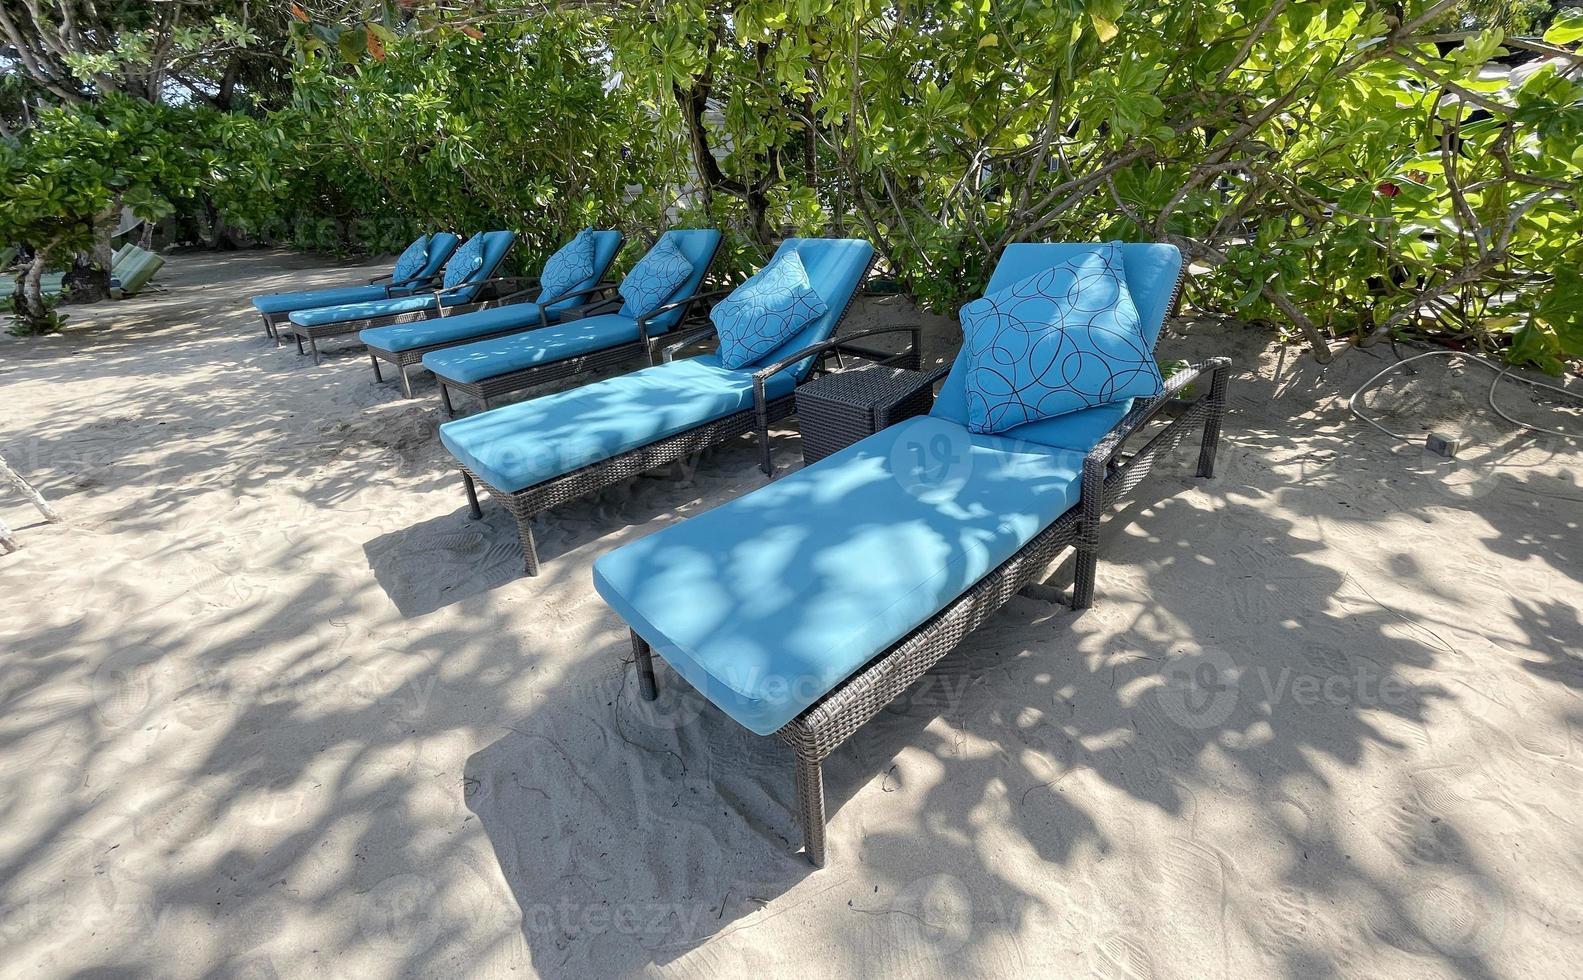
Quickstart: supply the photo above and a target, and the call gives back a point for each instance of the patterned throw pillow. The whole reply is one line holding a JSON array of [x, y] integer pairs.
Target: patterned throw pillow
[[569, 268], [1061, 340], [656, 276], [411, 262], [766, 311], [465, 261]]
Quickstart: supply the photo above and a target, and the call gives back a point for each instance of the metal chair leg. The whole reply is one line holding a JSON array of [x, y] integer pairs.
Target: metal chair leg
[[472, 496], [313, 344], [810, 808], [406, 382], [766, 462], [645, 662], [378, 377], [445, 397]]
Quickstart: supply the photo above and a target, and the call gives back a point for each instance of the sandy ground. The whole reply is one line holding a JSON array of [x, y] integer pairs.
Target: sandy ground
[[272, 705]]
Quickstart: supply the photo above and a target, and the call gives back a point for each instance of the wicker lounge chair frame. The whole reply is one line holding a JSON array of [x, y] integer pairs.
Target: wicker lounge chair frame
[[1108, 473], [523, 504], [403, 359], [486, 388], [489, 294], [272, 321]]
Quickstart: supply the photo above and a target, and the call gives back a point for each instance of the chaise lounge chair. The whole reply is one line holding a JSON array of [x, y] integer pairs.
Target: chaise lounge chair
[[605, 333], [275, 307], [536, 454], [132, 270], [468, 283], [803, 608], [406, 344]]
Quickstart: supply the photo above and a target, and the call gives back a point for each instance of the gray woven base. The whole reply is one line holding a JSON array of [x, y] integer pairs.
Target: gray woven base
[[834, 718]]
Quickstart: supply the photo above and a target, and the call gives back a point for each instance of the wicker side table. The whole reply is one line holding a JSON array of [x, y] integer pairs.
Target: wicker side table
[[838, 409]]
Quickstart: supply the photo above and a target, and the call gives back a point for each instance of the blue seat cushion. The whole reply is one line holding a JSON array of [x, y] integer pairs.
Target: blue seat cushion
[[763, 313], [503, 355], [363, 311], [519, 445], [316, 298], [1059, 341], [457, 329], [766, 603]]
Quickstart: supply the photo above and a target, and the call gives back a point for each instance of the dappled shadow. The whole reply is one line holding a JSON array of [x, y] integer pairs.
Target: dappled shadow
[[270, 701]]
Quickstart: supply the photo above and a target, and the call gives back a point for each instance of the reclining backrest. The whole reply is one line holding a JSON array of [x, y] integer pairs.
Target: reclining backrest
[[700, 246], [607, 242], [1152, 273], [835, 267], [495, 245], [441, 245]]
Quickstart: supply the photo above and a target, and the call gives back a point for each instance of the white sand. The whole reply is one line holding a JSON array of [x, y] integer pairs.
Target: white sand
[[274, 706]]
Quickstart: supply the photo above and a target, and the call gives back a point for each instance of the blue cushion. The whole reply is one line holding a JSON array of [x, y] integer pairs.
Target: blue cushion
[[363, 311], [1152, 271], [312, 299], [465, 262], [763, 313], [836, 267], [1059, 341], [572, 264], [441, 245], [412, 261], [519, 445], [654, 279], [456, 329], [502, 355], [767, 602], [700, 246]]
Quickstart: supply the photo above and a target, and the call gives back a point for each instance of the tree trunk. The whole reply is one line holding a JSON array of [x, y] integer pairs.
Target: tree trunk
[[88, 279], [30, 298]]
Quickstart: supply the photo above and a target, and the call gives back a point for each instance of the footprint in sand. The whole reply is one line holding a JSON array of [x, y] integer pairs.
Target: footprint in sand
[[1120, 958]]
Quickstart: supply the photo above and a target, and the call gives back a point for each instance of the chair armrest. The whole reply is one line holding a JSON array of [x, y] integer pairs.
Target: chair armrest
[[683, 339], [598, 287], [1145, 411], [827, 346], [664, 308], [388, 277], [763, 374]]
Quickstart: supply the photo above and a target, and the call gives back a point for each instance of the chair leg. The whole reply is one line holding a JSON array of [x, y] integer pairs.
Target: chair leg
[[484, 401], [445, 397], [810, 807], [313, 344], [530, 553], [378, 377], [1217, 412], [645, 662], [766, 462], [298, 338], [406, 382], [1083, 586], [472, 496]]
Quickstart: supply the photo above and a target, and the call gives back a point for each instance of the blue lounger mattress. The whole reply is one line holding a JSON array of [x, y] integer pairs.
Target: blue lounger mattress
[[768, 602]]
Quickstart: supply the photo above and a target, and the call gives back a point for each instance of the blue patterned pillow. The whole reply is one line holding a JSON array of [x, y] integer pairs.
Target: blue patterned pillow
[[569, 268], [410, 263], [656, 276], [465, 261], [764, 312], [1061, 340]]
